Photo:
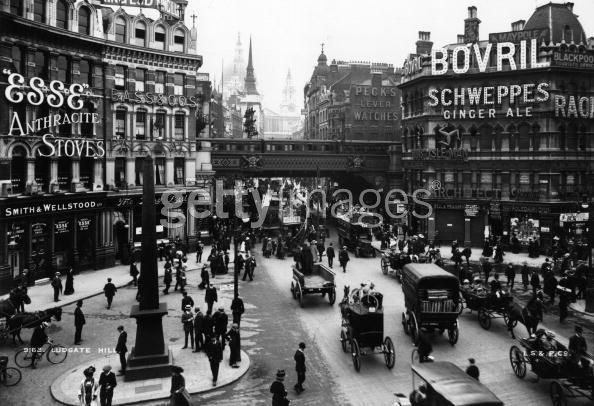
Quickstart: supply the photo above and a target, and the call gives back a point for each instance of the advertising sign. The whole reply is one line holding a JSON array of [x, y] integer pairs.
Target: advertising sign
[[569, 59], [573, 217], [471, 210], [517, 36], [61, 226], [167, 6], [84, 223]]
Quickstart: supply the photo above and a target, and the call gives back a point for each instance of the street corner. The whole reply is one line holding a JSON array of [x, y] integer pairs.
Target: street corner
[[196, 372]]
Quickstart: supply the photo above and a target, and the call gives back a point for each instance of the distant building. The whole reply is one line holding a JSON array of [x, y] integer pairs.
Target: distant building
[[234, 74], [250, 97], [289, 121]]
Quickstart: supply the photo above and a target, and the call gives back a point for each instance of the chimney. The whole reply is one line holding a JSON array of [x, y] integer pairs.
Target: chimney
[[460, 39], [471, 26], [518, 25], [569, 6], [424, 43]]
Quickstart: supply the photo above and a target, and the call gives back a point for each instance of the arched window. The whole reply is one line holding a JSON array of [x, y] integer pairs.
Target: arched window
[[180, 126], [179, 40], [120, 30], [160, 37], [63, 69], [62, 14], [17, 59], [486, 137], [140, 124], [120, 123], [18, 169], [524, 137], [16, 7], [39, 11], [140, 33], [64, 173], [159, 126], [43, 169], [84, 21], [84, 67]]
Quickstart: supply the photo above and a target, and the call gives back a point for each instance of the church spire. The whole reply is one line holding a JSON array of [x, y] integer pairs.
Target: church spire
[[250, 79]]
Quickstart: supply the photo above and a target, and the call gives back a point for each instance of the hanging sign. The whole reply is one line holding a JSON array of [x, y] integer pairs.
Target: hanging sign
[[62, 226], [84, 223]]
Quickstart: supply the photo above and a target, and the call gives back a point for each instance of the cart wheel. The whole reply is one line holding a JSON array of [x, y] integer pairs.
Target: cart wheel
[[356, 354], [389, 354], [293, 290], [517, 361], [414, 328], [484, 319], [405, 324], [12, 376], [343, 340], [332, 296], [453, 334], [384, 265], [557, 394], [299, 294]]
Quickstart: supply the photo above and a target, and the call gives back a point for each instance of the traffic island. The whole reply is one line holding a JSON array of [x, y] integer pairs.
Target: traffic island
[[196, 372]]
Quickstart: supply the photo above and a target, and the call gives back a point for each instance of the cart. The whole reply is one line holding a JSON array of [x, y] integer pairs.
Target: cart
[[362, 329], [320, 280], [392, 263], [569, 380], [489, 306], [432, 300]]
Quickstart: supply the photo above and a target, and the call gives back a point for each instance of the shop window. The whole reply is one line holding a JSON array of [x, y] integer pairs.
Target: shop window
[[486, 137], [86, 172], [141, 125], [140, 79], [180, 126], [178, 171], [86, 128], [160, 171], [62, 10], [97, 79], [159, 125], [140, 34], [120, 172], [120, 124], [41, 65], [43, 169], [16, 7], [120, 77], [84, 21], [524, 137], [39, 11], [138, 165], [64, 173], [159, 82], [63, 69], [178, 84], [160, 37], [18, 169], [84, 77], [120, 30]]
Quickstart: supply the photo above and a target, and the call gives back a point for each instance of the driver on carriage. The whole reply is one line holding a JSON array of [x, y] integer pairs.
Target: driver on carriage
[[466, 284], [477, 284], [369, 297]]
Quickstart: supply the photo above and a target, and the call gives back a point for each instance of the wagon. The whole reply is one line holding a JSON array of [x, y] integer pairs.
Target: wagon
[[320, 280], [432, 300], [487, 305], [392, 263], [568, 379], [362, 330]]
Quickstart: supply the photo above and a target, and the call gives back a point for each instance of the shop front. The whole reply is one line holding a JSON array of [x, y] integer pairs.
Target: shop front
[[457, 221]]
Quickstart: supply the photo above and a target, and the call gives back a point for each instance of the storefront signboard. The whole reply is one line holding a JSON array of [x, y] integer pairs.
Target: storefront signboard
[[471, 210], [48, 208], [570, 59], [84, 223], [526, 209], [573, 217], [291, 220], [61, 226], [517, 36]]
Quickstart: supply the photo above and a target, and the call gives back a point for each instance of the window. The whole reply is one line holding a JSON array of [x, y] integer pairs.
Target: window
[[120, 30], [178, 41], [97, 78], [84, 68], [65, 129], [159, 126], [43, 169], [178, 171], [86, 172], [120, 172], [84, 21], [524, 137], [86, 128], [180, 126], [140, 78], [120, 77], [18, 169], [16, 7], [17, 59], [159, 82], [120, 124], [572, 137], [485, 138], [141, 125], [160, 37], [41, 68], [178, 84], [42, 111], [138, 169], [64, 173], [39, 11], [159, 171], [140, 33], [63, 69], [62, 14]]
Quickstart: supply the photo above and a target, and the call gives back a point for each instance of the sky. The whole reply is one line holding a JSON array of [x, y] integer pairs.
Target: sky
[[287, 34]]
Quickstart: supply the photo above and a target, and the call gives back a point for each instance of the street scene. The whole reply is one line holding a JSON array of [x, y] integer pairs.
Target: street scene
[[221, 203]]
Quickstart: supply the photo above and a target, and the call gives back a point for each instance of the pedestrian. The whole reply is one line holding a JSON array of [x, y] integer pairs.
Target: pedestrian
[[187, 320], [179, 394], [343, 258], [79, 322], [550, 286], [234, 345], [186, 300], [87, 393], [237, 309], [525, 276], [210, 296], [198, 329], [69, 287], [510, 274], [205, 278], [182, 279], [220, 320], [472, 369], [215, 356], [279, 393], [107, 383], [321, 249], [330, 255], [207, 328], [57, 286], [495, 284], [299, 358], [121, 349], [535, 282], [178, 280], [199, 250], [109, 290], [577, 344], [487, 268], [564, 300], [226, 259], [134, 273], [167, 278]]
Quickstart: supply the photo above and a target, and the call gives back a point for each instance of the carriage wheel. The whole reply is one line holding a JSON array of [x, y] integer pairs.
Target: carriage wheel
[[356, 354], [414, 328], [405, 324], [12, 376], [343, 340], [517, 361], [484, 319], [293, 290], [514, 323], [299, 294], [557, 395], [453, 334], [56, 354], [384, 265], [332, 296], [389, 354], [23, 358]]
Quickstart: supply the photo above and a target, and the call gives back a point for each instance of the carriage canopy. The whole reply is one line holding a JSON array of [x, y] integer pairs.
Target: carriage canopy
[[428, 276]]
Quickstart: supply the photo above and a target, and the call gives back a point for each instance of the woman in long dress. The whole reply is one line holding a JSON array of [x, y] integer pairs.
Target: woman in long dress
[[178, 387], [87, 394], [69, 288]]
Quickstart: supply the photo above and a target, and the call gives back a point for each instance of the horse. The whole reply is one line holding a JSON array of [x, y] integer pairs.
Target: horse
[[529, 316], [31, 320], [16, 298]]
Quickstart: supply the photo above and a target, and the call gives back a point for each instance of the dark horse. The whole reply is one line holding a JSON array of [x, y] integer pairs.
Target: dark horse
[[31, 320], [16, 298], [529, 316]]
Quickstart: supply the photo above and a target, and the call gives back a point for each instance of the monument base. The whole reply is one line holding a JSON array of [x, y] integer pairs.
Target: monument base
[[148, 366]]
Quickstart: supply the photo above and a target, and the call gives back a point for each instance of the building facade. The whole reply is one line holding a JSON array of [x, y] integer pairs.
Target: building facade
[[502, 140]]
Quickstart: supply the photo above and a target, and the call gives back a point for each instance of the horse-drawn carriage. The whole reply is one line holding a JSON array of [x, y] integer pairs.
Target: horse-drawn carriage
[[432, 300], [488, 305], [572, 375], [393, 262], [320, 280], [363, 326]]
